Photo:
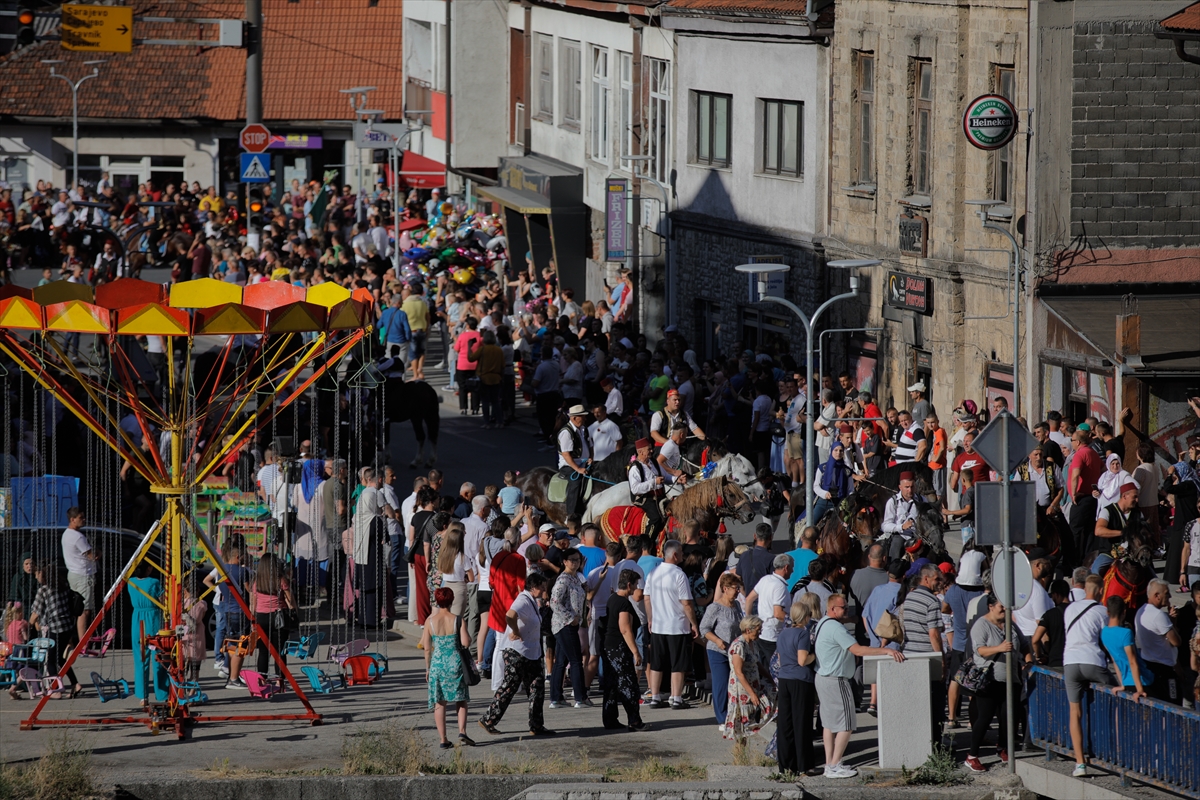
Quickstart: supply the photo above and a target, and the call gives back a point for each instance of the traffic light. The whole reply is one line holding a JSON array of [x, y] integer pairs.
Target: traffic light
[[25, 32], [254, 210]]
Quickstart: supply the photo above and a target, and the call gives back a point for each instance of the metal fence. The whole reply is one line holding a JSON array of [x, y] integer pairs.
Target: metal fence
[[1144, 740]]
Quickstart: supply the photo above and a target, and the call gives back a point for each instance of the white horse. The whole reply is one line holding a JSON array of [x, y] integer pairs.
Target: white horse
[[735, 466]]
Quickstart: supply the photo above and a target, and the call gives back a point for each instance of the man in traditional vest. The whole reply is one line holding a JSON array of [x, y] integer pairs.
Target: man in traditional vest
[[671, 417], [1109, 536], [647, 483], [900, 517], [574, 455]]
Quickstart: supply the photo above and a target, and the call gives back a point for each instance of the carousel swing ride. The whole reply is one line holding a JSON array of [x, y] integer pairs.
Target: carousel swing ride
[[272, 333]]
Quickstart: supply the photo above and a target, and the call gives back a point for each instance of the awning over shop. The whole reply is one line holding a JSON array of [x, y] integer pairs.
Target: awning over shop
[[520, 201], [1170, 336], [420, 172]]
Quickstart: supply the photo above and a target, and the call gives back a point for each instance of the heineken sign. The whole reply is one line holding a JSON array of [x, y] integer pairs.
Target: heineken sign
[[990, 122]]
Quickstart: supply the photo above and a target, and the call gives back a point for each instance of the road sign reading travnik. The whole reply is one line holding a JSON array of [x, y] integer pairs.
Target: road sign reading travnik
[[97, 29], [255, 138], [990, 122]]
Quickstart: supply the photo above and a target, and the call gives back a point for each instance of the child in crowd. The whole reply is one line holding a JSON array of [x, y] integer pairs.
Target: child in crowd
[[195, 648], [510, 495], [16, 631]]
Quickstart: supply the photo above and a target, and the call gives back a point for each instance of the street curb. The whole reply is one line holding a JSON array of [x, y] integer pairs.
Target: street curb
[[318, 787]]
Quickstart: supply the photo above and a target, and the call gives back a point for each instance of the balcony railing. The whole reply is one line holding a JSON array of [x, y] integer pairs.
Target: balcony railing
[[417, 96]]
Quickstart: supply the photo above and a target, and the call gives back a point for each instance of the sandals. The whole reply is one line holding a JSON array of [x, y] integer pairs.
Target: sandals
[[78, 690]]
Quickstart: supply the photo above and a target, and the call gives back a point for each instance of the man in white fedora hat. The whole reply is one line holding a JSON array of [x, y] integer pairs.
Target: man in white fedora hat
[[574, 456]]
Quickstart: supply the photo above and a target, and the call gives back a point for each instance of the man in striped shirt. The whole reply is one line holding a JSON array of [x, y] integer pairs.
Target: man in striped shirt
[[912, 445], [923, 628]]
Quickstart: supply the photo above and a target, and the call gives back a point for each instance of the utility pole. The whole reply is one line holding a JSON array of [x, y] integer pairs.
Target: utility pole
[[254, 109]]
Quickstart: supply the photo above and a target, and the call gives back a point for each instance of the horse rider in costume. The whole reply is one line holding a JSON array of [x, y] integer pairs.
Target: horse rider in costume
[[574, 457], [647, 486], [672, 416], [1113, 527], [900, 518]]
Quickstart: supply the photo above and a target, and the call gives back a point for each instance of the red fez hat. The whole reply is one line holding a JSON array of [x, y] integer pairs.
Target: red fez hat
[[672, 393], [906, 476], [1129, 487], [640, 443], [846, 428]]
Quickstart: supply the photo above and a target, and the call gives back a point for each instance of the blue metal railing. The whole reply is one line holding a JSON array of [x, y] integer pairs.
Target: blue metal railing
[[1143, 740]]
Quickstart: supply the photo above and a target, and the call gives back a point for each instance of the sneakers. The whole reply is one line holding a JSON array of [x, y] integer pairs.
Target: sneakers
[[1004, 756], [559, 704], [584, 703], [638, 726], [238, 684], [540, 732], [492, 729], [972, 763], [1080, 771], [839, 771]]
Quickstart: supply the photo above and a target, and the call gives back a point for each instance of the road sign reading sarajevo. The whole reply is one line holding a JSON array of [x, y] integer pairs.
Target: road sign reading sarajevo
[[990, 443], [255, 138], [97, 29], [990, 122], [255, 168]]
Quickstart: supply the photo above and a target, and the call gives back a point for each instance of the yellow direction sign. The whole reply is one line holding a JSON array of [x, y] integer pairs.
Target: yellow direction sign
[[97, 29]]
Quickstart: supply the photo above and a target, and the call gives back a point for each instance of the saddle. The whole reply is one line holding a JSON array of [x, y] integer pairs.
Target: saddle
[[556, 492]]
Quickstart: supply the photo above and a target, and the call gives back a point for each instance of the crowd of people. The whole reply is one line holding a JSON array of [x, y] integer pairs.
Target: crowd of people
[[772, 633]]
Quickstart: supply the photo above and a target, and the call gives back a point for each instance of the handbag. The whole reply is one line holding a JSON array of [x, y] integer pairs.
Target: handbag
[[889, 627], [468, 663], [974, 678]]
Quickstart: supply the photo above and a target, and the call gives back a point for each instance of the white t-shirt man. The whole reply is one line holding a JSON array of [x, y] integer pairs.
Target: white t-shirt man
[[476, 529], [1027, 616], [772, 591], [1084, 620], [605, 435], [667, 588], [614, 403], [1151, 626], [529, 625], [671, 455], [266, 477], [75, 547], [394, 527], [762, 409], [687, 396]]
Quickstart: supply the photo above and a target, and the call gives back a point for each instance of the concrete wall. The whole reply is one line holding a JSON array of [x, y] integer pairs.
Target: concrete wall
[[49, 149], [479, 96], [1135, 156], [742, 191], [963, 42]]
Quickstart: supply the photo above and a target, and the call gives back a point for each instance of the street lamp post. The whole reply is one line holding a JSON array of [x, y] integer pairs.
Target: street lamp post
[[762, 271], [397, 143], [994, 206], [74, 107], [358, 102]]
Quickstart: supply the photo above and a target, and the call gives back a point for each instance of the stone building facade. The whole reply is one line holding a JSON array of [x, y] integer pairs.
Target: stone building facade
[[901, 173]]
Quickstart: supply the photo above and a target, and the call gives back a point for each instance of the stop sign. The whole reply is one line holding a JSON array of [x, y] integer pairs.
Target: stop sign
[[255, 137]]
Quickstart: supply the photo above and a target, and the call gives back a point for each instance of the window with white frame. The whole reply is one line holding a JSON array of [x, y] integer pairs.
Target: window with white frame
[[657, 138], [712, 133], [570, 70], [544, 51], [625, 110], [782, 137], [601, 96]]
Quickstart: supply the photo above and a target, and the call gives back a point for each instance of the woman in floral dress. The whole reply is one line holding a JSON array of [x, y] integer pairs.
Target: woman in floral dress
[[444, 666], [751, 691]]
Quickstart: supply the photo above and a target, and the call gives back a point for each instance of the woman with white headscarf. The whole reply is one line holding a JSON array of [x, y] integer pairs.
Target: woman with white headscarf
[[1108, 488]]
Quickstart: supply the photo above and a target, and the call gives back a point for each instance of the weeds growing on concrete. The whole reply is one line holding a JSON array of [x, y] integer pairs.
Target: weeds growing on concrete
[[64, 772], [395, 750], [940, 769], [743, 756]]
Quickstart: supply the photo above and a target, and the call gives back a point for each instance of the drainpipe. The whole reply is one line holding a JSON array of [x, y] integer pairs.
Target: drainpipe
[[449, 85], [527, 88]]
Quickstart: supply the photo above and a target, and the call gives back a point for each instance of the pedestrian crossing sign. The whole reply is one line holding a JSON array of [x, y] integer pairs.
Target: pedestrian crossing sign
[[256, 168]]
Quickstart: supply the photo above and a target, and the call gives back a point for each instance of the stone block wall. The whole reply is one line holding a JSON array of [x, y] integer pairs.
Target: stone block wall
[[1135, 154]]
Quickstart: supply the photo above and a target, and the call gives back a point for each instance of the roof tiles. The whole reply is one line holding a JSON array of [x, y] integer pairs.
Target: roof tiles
[[311, 49], [1186, 20]]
